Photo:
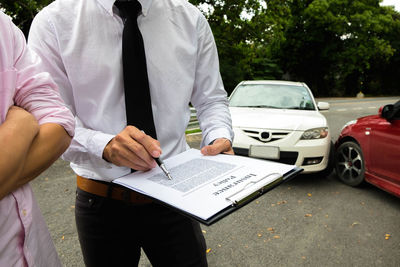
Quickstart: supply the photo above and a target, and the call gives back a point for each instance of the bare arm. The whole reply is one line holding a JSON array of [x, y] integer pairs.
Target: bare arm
[[16, 136], [31, 157], [48, 145]]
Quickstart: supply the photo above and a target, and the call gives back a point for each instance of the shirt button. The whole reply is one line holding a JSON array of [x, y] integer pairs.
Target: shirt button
[[24, 212]]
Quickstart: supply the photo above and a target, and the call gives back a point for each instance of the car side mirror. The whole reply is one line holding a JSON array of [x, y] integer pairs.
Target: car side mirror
[[386, 112], [323, 105]]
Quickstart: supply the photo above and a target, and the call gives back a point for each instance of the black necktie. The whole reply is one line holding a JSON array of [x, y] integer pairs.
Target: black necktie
[[136, 82]]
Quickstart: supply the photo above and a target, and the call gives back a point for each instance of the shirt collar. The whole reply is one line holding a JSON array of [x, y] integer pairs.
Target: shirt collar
[[108, 5]]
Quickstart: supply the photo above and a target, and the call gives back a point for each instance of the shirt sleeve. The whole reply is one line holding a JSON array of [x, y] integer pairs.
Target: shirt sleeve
[[87, 145], [209, 96], [35, 89]]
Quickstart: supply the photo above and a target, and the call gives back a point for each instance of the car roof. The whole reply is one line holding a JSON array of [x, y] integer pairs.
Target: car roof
[[273, 82]]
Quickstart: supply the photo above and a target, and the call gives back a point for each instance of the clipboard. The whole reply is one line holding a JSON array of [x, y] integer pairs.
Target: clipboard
[[256, 192], [254, 195], [214, 198]]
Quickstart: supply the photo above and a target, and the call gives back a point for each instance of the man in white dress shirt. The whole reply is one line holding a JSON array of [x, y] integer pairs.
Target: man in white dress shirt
[[80, 43]]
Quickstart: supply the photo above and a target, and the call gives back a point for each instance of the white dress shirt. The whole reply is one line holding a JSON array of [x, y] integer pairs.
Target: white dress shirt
[[80, 42]]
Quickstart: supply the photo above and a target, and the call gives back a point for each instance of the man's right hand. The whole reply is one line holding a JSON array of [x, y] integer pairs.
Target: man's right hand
[[134, 149]]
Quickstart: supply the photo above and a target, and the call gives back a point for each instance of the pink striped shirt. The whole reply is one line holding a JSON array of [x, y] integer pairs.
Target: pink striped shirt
[[24, 237]]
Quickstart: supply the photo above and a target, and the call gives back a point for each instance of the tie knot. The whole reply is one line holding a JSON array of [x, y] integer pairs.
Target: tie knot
[[128, 8]]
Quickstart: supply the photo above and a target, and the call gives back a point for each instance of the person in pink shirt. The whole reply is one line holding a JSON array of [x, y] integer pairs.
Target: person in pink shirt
[[35, 129]]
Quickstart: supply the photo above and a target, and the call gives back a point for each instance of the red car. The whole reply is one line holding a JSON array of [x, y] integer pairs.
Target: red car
[[368, 149]]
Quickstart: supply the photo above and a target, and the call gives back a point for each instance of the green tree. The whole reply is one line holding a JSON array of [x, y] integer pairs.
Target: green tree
[[383, 78], [243, 31], [333, 44]]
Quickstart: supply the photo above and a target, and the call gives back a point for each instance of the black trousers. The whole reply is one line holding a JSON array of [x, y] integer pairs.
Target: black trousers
[[112, 232]]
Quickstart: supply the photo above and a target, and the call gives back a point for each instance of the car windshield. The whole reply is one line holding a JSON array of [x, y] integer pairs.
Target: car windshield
[[272, 96]]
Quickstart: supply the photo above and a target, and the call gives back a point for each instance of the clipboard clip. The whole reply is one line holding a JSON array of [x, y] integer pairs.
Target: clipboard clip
[[253, 189]]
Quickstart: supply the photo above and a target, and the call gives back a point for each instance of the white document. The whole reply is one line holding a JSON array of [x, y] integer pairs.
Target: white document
[[205, 185]]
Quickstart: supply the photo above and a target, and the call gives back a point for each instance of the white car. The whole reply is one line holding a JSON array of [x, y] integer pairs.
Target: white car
[[280, 121]]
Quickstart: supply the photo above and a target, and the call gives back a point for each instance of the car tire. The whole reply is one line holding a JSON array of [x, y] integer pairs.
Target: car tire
[[350, 164]]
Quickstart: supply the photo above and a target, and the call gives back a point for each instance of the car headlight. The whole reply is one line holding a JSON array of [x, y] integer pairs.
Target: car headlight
[[316, 133], [348, 123]]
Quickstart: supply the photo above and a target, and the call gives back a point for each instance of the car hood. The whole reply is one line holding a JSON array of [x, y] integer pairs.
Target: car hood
[[370, 120], [280, 119]]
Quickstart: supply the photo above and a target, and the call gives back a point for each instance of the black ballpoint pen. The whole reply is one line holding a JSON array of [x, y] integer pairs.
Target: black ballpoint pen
[[163, 168]]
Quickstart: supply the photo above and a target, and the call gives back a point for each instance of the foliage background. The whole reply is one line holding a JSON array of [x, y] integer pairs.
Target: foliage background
[[338, 47]]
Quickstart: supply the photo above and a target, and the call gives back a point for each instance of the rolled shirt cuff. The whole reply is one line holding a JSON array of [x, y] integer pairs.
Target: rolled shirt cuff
[[98, 142], [215, 134]]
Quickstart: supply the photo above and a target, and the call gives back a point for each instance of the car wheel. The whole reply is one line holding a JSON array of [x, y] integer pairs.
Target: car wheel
[[349, 164]]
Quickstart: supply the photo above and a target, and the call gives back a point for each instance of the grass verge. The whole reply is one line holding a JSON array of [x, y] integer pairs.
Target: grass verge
[[191, 131]]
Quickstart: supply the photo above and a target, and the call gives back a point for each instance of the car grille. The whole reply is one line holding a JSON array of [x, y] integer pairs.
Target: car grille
[[287, 157], [266, 136]]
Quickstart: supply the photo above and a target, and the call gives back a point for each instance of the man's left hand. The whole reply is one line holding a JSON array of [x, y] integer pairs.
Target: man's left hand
[[220, 145]]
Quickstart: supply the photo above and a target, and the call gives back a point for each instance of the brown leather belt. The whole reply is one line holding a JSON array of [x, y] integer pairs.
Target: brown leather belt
[[111, 190]]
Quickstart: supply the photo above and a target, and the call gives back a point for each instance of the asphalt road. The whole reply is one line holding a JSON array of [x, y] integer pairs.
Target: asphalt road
[[309, 221]]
